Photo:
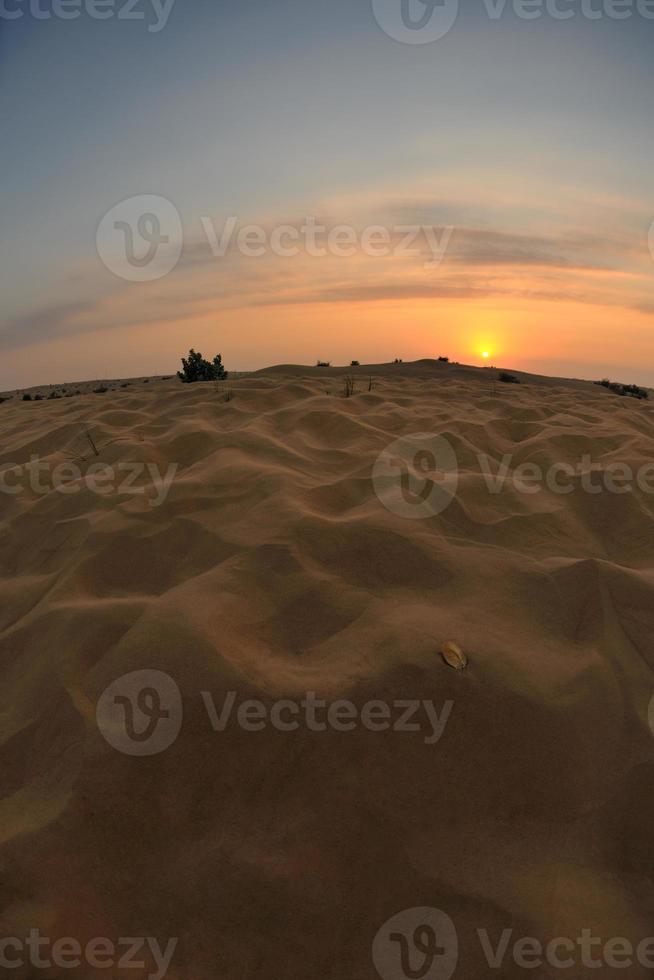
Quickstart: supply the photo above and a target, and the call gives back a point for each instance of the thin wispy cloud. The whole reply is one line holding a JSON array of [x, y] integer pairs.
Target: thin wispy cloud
[[581, 266]]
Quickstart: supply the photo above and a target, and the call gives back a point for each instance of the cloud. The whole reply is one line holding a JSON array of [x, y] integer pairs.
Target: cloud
[[29, 328], [570, 264]]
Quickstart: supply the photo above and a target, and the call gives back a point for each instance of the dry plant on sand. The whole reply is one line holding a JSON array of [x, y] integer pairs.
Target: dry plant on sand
[[89, 446], [225, 394]]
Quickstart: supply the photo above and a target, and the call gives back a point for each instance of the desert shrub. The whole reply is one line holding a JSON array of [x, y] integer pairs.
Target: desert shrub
[[323, 364], [354, 364], [196, 368], [508, 379], [635, 391], [349, 387], [444, 360], [100, 391], [38, 398], [27, 398], [53, 394], [630, 391]]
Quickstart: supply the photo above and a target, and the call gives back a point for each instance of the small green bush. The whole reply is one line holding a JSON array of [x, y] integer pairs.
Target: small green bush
[[196, 368]]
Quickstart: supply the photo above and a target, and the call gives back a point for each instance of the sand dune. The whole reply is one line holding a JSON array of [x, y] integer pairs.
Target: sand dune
[[271, 568]]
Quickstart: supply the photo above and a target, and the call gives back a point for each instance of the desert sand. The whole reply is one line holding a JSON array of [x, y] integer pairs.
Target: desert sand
[[272, 569]]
